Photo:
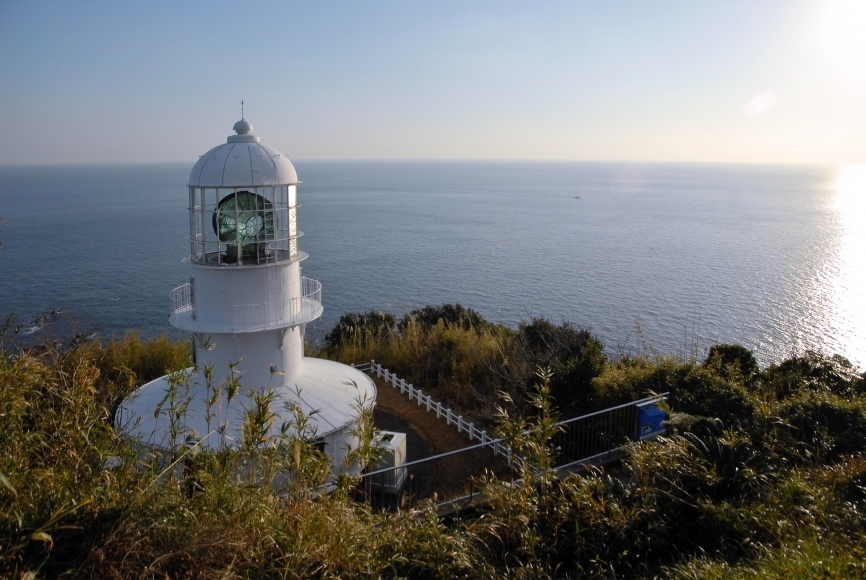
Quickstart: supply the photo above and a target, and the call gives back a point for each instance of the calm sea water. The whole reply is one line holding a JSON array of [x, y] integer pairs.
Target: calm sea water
[[765, 256]]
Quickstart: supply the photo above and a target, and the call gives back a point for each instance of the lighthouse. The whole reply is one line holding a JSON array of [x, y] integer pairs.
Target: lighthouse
[[246, 306]]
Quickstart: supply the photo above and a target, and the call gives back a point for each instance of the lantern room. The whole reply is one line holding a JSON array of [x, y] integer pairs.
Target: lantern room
[[255, 223]]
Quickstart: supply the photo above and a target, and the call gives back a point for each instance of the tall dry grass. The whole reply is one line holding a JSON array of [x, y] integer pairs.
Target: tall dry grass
[[776, 487]]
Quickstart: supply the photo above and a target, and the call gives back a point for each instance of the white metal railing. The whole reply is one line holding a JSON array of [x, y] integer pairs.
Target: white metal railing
[[181, 298], [186, 314], [433, 406]]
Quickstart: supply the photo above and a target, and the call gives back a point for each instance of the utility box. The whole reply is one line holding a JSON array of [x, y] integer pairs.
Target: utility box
[[394, 445], [650, 419]]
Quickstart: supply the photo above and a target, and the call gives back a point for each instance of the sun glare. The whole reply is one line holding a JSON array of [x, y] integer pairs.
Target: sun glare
[[843, 36], [851, 192], [850, 279], [759, 104]]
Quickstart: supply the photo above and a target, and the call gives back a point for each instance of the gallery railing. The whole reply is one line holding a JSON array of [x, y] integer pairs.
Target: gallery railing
[[187, 314]]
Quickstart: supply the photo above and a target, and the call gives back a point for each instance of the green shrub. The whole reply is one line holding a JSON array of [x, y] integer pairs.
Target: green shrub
[[831, 556], [735, 466], [450, 314], [125, 364], [813, 371], [824, 425], [694, 390], [460, 364], [732, 361], [361, 329], [573, 355], [629, 379], [699, 391]]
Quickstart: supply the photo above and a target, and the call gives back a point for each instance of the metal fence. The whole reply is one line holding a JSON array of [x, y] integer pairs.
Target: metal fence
[[452, 478], [447, 479], [590, 437]]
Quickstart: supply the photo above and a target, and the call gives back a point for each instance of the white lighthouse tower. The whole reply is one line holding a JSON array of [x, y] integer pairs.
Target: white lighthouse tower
[[246, 306]]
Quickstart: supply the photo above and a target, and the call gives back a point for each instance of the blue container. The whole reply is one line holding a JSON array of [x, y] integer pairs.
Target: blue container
[[650, 418]]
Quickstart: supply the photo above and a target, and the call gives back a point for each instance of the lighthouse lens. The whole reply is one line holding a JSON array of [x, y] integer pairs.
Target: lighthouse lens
[[244, 217], [245, 221]]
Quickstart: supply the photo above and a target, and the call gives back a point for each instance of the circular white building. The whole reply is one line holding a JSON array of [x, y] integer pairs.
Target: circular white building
[[246, 306]]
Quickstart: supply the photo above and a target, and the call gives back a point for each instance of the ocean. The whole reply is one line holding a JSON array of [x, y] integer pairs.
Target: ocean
[[666, 258]]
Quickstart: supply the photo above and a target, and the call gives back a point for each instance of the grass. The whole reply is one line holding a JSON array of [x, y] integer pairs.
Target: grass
[[762, 473]]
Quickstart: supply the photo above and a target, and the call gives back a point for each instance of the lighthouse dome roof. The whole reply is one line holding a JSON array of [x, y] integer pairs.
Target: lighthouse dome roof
[[243, 161]]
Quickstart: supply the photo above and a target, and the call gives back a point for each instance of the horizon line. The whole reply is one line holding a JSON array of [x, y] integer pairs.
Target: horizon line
[[446, 160]]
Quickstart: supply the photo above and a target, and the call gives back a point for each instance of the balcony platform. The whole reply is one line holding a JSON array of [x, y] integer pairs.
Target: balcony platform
[[242, 318]]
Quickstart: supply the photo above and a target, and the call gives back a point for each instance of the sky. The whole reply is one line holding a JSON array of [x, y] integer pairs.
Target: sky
[[757, 81]]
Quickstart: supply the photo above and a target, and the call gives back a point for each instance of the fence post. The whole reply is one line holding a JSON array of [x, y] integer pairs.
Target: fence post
[[429, 402], [460, 423], [438, 409], [448, 415], [418, 392]]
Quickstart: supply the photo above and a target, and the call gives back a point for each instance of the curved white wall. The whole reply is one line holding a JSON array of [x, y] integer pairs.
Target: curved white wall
[[239, 299], [256, 352]]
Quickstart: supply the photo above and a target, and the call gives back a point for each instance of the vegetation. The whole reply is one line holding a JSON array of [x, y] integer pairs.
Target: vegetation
[[469, 362], [762, 472]]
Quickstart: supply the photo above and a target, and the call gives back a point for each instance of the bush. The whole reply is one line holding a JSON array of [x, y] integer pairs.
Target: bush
[[629, 379], [693, 390], [361, 330], [573, 355], [450, 314], [699, 391], [125, 364], [460, 364], [815, 372], [732, 361], [824, 425]]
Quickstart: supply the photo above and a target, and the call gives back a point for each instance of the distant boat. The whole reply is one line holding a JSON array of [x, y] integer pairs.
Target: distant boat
[[576, 197]]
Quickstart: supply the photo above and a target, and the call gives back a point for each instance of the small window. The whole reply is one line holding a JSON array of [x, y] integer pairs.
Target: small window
[[321, 446]]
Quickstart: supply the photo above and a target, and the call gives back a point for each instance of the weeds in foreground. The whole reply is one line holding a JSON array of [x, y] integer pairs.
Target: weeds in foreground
[[764, 477]]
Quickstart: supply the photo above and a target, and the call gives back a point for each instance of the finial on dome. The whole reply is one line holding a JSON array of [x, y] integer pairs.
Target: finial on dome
[[243, 127]]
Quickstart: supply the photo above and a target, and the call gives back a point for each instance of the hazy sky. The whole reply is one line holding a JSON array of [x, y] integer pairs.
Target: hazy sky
[[733, 81]]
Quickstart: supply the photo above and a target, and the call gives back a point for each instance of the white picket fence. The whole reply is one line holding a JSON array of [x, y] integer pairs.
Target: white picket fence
[[443, 413]]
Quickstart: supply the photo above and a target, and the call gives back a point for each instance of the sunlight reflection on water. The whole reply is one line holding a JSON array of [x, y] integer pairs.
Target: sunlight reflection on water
[[849, 282]]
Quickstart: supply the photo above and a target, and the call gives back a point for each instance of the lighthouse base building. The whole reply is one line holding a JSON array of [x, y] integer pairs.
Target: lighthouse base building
[[246, 306]]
